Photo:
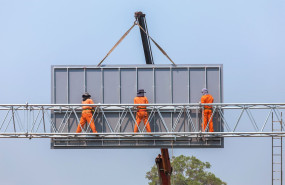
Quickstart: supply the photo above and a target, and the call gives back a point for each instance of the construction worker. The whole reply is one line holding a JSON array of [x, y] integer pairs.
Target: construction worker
[[141, 110], [208, 110], [87, 115]]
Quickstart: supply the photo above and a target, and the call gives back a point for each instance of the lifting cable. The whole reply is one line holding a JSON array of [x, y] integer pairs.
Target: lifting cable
[[158, 46], [122, 38]]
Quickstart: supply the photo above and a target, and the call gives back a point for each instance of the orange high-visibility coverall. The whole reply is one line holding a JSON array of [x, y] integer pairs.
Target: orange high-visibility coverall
[[86, 116], [207, 113], [141, 113]]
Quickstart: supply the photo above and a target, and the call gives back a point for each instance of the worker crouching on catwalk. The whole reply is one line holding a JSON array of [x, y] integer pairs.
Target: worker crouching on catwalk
[[207, 110], [87, 115], [141, 111]]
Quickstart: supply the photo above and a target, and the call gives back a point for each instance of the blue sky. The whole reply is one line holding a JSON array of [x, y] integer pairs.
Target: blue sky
[[246, 36]]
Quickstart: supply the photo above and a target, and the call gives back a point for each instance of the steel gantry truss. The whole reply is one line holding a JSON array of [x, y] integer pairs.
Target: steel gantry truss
[[235, 119]]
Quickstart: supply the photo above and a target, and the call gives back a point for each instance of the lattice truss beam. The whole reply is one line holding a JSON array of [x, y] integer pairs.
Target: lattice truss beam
[[168, 120]]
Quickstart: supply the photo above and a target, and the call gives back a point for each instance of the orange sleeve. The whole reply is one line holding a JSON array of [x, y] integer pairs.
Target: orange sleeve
[[203, 99], [135, 101], [90, 101], [146, 100]]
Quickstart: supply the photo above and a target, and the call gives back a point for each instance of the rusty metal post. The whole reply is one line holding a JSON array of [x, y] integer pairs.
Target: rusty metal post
[[164, 167]]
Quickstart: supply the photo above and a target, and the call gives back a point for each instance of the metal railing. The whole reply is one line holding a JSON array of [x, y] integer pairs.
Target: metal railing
[[234, 120]]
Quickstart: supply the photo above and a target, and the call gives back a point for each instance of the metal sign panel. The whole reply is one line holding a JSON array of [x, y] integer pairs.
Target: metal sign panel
[[164, 84]]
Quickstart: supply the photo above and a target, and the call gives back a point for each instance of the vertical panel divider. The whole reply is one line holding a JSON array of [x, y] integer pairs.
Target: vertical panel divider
[[54, 87], [154, 98], [137, 79], [85, 81], [221, 128], [171, 119], [171, 84], [120, 85], [67, 85], [197, 119], [154, 93], [220, 90], [102, 89], [205, 77], [102, 84], [188, 84]]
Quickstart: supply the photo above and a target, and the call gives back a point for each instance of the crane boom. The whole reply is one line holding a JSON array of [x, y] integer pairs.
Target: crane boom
[[140, 17], [162, 160], [163, 166]]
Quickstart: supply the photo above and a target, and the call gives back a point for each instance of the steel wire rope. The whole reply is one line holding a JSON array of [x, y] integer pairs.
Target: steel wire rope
[[118, 42], [157, 45], [126, 33]]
